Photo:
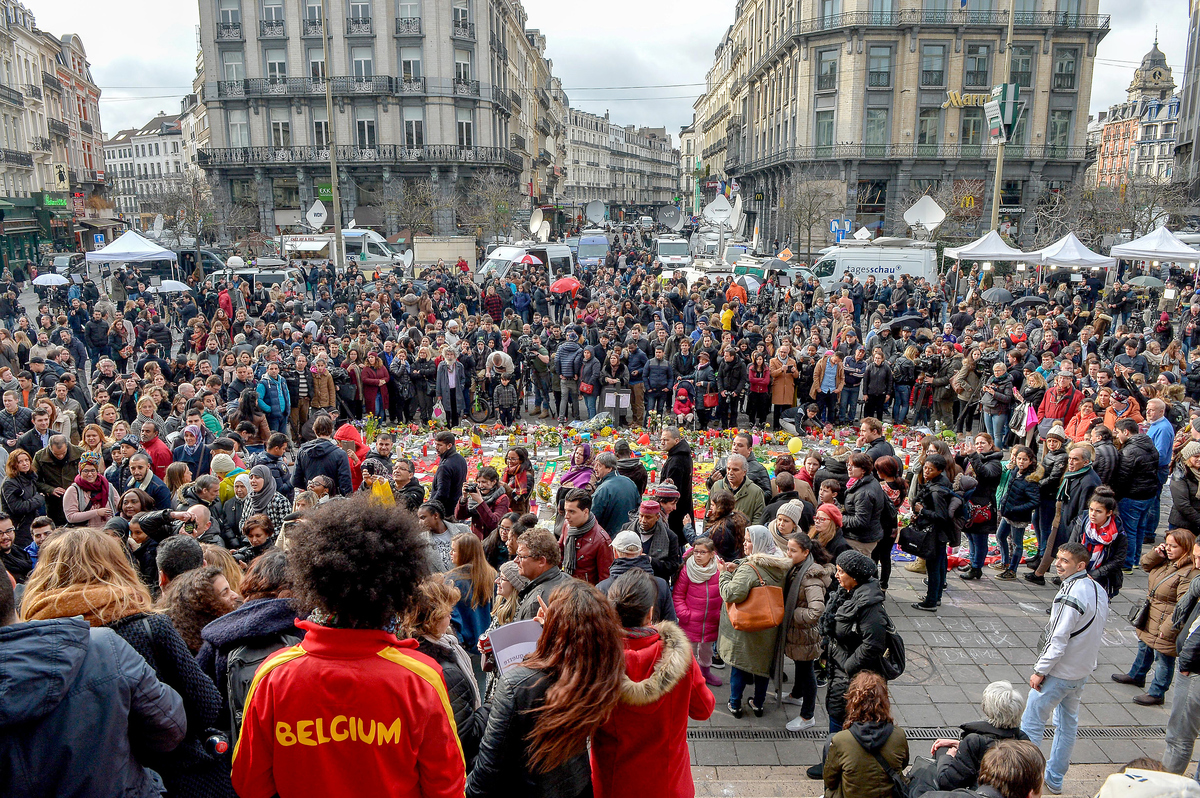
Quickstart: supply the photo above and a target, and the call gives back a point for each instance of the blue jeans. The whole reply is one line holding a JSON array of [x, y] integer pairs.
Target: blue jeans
[[1164, 669], [1183, 725], [1152, 521], [978, 544], [935, 569], [996, 425], [276, 423], [1062, 696], [900, 403], [1135, 521], [589, 399], [848, 405], [739, 679], [1043, 524], [1011, 537]]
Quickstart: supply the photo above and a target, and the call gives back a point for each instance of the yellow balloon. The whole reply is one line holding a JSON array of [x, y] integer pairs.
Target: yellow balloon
[[795, 445]]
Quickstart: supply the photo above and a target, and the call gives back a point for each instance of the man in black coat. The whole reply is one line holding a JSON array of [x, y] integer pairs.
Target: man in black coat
[[451, 471], [323, 457], [678, 469]]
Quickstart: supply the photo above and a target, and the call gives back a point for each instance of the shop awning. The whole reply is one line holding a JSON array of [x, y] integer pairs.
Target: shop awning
[[96, 225]]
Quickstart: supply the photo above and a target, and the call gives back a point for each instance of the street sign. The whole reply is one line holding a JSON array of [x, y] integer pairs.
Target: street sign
[[1006, 96], [98, 239], [785, 254], [995, 120], [317, 215], [840, 229]]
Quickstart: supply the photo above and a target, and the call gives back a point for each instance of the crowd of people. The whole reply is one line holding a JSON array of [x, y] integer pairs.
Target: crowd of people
[[190, 480]]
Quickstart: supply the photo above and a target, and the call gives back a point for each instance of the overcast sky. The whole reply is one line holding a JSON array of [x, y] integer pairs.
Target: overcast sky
[[147, 53]]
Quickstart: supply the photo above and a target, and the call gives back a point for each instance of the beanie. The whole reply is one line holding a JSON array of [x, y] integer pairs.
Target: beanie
[[222, 464], [512, 573], [793, 510], [857, 566], [1189, 450]]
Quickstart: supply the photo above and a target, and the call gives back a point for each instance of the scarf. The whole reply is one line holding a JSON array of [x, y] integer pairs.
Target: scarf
[[660, 545], [1195, 474], [700, 574], [261, 501], [579, 475], [1062, 486], [97, 491], [571, 548], [99, 605], [1096, 541], [488, 499], [450, 641], [195, 430]]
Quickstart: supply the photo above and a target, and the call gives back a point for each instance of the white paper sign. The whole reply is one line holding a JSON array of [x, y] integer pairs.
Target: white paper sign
[[511, 642]]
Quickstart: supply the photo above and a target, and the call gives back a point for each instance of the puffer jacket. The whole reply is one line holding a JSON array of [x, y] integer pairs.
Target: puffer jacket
[[658, 375], [851, 769], [323, 457], [854, 627], [502, 765], [998, 400], [803, 604], [864, 508], [732, 376], [753, 652], [469, 720], [1136, 476], [1054, 465], [1185, 504], [1169, 583], [698, 606], [877, 380], [1021, 496], [568, 359]]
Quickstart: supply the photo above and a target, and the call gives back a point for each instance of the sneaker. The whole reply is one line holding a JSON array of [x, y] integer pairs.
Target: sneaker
[[817, 771], [790, 699], [1052, 790], [1126, 570], [921, 605], [735, 711], [1006, 575], [998, 565], [822, 680], [717, 662], [800, 724]]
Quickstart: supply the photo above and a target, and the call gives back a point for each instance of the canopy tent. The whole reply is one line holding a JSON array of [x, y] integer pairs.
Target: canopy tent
[[1158, 245], [990, 247], [1069, 251], [130, 248]]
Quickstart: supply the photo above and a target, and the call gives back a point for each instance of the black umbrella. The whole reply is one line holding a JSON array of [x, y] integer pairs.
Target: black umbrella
[[1029, 301], [997, 295], [912, 322]]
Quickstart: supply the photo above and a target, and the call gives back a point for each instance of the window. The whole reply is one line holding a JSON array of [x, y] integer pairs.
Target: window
[[823, 131], [364, 127], [977, 65], [360, 10], [933, 65], [231, 12], [465, 127], [239, 128], [272, 11], [276, 64], [1010, 192], [410, 63], [408, 9], [462, 65], [881, 12], [362, 62], [1064, 68], [876, 132], [971, 130], [316, 63], [281, 127], [827, 70], [1017, 139], [928, 122], [414, 127], [462, 12], [312, 10], [829, 9], [232, 66], [320, 119], [1059, 135], [1021, 71], [879, 66]]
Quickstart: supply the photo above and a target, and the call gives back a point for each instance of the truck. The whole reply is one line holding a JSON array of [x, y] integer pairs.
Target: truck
[[883, 257], [672, 252], [428, 249], [367, 249]]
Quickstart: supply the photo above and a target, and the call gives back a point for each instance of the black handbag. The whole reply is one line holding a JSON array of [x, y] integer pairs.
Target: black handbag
[[1139, 615]]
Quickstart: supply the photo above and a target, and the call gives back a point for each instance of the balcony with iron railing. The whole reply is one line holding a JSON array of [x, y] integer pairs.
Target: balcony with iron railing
[[719, 113], [466, 88], [359, 26], [518, 142], [15, 158], [543, 96], [58, 128], [1023, 78], [501, 99], [39, 144], [1061, 19], [408, 26], [10, 95], [1064, 81], [228, 32], [33, 91], [272, 29], [460, 29], [85, 126], [349, 154], [312, 27], [933, 77], [410, 85], [545, 157], [879, 78], [976, 79], [851, 152], [827, 82], [497, 45], [51, 82], [542, 126]]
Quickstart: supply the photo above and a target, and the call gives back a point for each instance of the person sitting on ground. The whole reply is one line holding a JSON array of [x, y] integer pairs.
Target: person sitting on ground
[[957, 762], [1009, 769]]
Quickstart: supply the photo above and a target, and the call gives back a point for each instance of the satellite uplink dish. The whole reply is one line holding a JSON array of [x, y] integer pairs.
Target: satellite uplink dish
[[543, 232], [718, 211], [408, 258], [594, 211], [735, 219], [535, 220], [671, 217], [925, 215]]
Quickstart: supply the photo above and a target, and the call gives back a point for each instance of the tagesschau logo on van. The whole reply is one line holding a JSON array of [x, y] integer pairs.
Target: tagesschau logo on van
[[872, 270]]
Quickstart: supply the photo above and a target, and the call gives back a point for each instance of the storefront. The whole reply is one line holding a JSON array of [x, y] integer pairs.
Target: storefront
[[20, 232], [57, 223]]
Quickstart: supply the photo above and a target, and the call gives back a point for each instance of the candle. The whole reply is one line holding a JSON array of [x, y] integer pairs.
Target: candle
[[907, 457], [424, 449]]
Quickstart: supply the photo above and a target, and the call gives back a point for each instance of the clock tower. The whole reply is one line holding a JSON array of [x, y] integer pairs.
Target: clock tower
[[1152, 80]]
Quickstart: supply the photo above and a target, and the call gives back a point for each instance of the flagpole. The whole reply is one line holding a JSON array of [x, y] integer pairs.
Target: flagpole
[[1012, 12]]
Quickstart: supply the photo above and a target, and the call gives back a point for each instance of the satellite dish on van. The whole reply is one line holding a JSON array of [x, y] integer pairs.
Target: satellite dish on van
[[718, 211], [862, 234], [594, 211], [735, 220], [235, 262], [925, 215], [543, 232], [671, 217], [408, 258], [535, 220]]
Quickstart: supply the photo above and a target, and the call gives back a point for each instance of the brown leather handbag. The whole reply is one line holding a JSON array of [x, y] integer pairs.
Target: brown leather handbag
[[761, 609]]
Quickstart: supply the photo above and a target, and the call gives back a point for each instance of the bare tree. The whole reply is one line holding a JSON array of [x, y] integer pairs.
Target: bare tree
[[962, 200], [491, 202], [186, 207], [1144, 204], [415, 203], [1087, 211], [811, 196]]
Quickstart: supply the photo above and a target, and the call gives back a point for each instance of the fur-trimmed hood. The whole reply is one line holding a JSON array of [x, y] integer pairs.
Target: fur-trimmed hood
[[1036, 474], [655, 665]]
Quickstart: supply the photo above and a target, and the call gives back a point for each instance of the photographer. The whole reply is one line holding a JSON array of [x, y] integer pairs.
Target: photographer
[[484, 501]]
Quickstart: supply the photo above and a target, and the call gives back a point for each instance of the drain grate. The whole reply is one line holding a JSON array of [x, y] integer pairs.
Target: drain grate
[[920, 733]]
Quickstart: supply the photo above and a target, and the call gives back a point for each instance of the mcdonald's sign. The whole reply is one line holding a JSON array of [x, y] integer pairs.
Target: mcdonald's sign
[[967, 202]]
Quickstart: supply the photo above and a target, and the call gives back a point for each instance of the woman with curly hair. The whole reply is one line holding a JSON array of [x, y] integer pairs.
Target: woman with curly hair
[[546, 708], [194, 599], [355, 567], [851, 767]]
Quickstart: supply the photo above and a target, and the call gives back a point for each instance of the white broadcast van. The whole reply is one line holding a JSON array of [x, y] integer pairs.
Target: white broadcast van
[[883, 257], [369, 250], [673, 252]]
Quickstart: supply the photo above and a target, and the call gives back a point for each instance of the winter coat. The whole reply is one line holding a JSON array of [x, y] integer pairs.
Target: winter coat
[[803, 604], [77, 702], [469, 720], [644, 740], [79, 511], [658, 375], [615, 501], [698, 606], [374, 384], [998, 401], [1110, 573], [664, 608], [678, 468], [1054, 465], [865, 504], [1136, 476], [753, 652], [1169, 582], [877, 380], [854, 628], [443, 385], [593, 553], [541, 586], [23, 502], [783, 384], [502, 766], [851, 769], [968, 382], [962, 769], [568, 359], [747, 499], [323, 457], [732, 376], [1022, 495], [1185, 505], [1105, 461], [485, 517], [819, 376], [590, 374]]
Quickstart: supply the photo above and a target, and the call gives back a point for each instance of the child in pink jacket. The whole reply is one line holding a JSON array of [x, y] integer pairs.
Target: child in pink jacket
[[698, 603]]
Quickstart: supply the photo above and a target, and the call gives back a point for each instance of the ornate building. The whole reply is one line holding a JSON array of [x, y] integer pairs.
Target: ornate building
[[1137, 142]]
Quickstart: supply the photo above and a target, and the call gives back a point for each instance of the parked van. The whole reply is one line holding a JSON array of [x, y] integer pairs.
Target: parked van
[[672, 252], [883, 257], [369, 250], [593, 248], [646, 222], [500, 261]]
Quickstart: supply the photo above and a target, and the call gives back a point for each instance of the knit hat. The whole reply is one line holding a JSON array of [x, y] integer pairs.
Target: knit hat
[[1171, 376], [222, 464], [833, 512], [512, 574], [131, 440], [648, 507], [666, 490], [1189, 450], [627, 542], [857, 566], [1057, 431], [794, 510]]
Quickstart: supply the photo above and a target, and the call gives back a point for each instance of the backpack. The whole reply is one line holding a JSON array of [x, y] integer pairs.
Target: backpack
[[242, 663], [893, 661]]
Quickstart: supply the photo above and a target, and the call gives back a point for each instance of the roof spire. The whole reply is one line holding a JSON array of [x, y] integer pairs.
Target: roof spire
[[1156, 36]]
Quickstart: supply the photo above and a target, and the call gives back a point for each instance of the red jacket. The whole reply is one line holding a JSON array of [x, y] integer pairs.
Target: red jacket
[[348, 712], [161, 456], [1056, 406], [644, 741], [593, 554]]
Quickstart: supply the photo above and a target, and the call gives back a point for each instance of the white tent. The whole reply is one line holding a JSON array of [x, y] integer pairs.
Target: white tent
[[130, 248], [990, 247], [1160, 245], [1069, 251]]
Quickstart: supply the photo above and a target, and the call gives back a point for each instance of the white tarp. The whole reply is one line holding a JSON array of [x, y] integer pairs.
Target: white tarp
[[1069, 251], [1160, 245], [990, 247], [307, 246], [130, 248]]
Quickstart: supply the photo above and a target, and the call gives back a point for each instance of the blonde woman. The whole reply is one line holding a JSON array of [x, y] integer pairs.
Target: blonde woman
[[220, 557], [95, 441], [147, 410]]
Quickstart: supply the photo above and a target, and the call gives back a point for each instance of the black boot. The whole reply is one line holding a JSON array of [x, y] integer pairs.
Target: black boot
[[973, 573]]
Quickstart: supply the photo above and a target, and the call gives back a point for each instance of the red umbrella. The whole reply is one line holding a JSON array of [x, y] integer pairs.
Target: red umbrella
[[564, 285], [530, 260]]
